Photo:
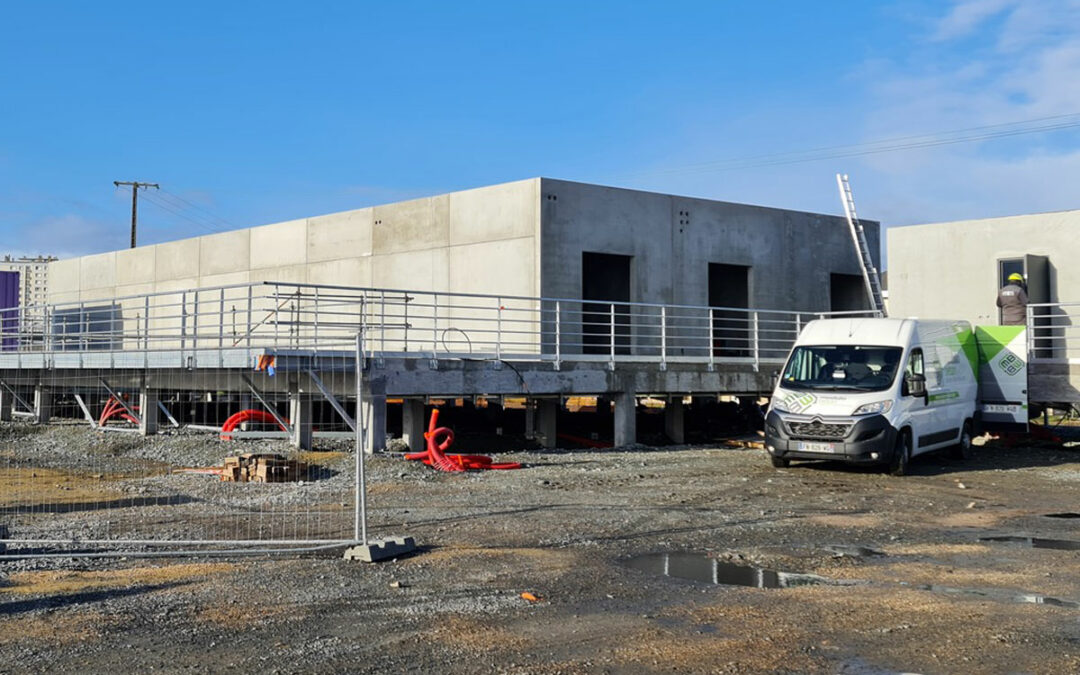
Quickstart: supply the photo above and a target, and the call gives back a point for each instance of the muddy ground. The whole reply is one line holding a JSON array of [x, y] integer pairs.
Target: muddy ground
[[911, 586]]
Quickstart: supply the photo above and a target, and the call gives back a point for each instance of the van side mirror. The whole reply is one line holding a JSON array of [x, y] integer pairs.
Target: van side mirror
[[915, 385], [774, 379]]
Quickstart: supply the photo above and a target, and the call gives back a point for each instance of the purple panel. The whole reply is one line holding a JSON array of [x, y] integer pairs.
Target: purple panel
[[9, 311]]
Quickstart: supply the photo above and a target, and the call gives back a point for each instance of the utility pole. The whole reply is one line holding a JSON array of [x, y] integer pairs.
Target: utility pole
[[135, 185]]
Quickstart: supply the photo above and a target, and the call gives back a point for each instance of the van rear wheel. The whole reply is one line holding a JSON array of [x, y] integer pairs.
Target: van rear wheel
[[898, 464], [963, 448]]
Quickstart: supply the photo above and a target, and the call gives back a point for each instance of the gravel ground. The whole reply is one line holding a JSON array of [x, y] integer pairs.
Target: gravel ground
[[915, 590]]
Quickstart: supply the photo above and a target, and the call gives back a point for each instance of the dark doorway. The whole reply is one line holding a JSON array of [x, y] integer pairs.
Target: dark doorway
[[847, 293], [605, 277], [729, 287]]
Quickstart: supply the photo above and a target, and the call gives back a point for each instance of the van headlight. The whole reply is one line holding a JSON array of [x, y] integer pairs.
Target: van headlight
[[878, 408], [778, 405]]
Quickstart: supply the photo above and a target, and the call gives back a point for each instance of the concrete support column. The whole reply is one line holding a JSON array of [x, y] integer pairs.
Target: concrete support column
[[625, 418], [547, 412], [42, 405], [413, 424], [7, 400], [530, 419], [300, 413], [374, 415], [673, 419], [148, 412]]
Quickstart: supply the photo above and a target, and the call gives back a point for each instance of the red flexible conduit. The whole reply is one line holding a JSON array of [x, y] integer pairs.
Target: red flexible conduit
[[247, 416], [439, 440], [114, 409]]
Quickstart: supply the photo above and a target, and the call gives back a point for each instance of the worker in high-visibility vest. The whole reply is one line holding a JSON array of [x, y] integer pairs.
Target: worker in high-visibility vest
[[1013, 301]]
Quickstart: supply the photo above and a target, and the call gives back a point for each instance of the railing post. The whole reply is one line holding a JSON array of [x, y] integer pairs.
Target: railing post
[[250, 302], [611, 335], [757, 346], [498, 329], [183, 322], [146, 326], [382, 324], [663, 338], [712, 340], [315, 321], [1030, 328], [558, 334], [221, 320], [435, 330]]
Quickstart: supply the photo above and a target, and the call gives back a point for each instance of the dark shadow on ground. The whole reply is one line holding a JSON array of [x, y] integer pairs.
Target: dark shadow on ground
[[85, 597], [993, 455], [78, 507]]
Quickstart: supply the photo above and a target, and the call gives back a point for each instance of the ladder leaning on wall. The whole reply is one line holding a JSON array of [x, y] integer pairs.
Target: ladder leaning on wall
[[858, 235]]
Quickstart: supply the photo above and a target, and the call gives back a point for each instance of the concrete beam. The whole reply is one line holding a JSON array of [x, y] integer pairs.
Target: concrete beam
[[412, 424], [148, 412], [43, 400], [625, 418], [547, 411], [673, 420]]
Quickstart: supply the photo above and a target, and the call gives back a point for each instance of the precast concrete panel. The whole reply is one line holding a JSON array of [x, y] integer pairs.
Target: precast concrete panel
[[344, 272], [175, 260], [64, 278], [505, 211], [134, 266], [98, 271], [288, 274], [340, 235], [412, 270], [224, 253], [279, 245], [411, 226], [493, 268]]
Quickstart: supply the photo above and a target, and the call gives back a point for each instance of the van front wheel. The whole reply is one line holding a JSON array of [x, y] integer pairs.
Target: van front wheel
[[898, 465], [779, 462], [962, 450]]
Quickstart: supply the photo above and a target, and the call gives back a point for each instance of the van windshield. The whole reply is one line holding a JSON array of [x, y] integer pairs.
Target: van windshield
[[841, 367]]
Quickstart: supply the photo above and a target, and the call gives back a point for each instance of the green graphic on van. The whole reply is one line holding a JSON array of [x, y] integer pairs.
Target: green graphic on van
[[796, 403], [944, 396], [1011, 364]]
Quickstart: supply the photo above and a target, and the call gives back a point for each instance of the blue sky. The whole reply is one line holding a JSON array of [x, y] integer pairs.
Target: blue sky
[[263, 112]]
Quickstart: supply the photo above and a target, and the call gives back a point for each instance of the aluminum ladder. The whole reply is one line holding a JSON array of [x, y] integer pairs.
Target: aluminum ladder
[[858, 235]]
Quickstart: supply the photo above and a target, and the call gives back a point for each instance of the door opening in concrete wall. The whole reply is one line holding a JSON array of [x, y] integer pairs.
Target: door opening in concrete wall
[[605, 277], [847, 293], [729, 287]]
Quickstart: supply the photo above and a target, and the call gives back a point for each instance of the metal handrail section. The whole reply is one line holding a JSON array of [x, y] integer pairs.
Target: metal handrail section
[[317, 317], [1053, 332]]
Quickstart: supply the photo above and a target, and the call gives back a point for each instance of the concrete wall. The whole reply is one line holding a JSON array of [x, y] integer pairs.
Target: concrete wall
[[471, 241], [949, 270], [673, 239]]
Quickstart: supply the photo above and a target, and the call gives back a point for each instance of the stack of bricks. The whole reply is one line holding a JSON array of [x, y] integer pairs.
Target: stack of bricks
[[262, 468]]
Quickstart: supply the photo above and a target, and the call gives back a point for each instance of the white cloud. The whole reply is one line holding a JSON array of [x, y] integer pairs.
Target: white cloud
[[970, 71], [67, 236]]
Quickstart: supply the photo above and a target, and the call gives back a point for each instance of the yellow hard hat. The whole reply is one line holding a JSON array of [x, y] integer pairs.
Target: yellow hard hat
[[1016, 276]]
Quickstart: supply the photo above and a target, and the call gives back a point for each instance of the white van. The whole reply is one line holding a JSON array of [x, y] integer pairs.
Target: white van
[[875, 391]]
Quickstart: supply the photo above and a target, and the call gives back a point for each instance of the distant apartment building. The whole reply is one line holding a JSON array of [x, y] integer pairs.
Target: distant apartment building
[[33, 277]]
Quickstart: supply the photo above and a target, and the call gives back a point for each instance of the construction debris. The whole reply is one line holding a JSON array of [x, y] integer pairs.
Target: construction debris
[[256, 468]]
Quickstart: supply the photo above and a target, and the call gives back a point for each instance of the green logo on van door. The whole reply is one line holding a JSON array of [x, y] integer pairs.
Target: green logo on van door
[[1011, 364]]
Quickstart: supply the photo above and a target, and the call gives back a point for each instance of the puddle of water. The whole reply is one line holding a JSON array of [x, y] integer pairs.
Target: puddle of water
[[1036, 542], [1063, 515], [703, 568], [1027, 598]]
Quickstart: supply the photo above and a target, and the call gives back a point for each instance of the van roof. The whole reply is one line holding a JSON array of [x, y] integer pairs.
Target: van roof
[[858, 331]]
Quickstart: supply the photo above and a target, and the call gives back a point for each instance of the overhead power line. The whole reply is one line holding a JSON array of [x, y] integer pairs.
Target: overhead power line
[[969, 135]]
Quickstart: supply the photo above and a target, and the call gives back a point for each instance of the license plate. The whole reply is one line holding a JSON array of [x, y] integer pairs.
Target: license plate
[[817, 447]]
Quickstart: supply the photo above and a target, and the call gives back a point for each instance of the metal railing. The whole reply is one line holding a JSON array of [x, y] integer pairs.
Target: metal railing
[[285, 316], [1053, 332]]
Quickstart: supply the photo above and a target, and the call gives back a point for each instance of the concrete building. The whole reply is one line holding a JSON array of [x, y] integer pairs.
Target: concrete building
[[33, 277], [954, 270], [537, 237]]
